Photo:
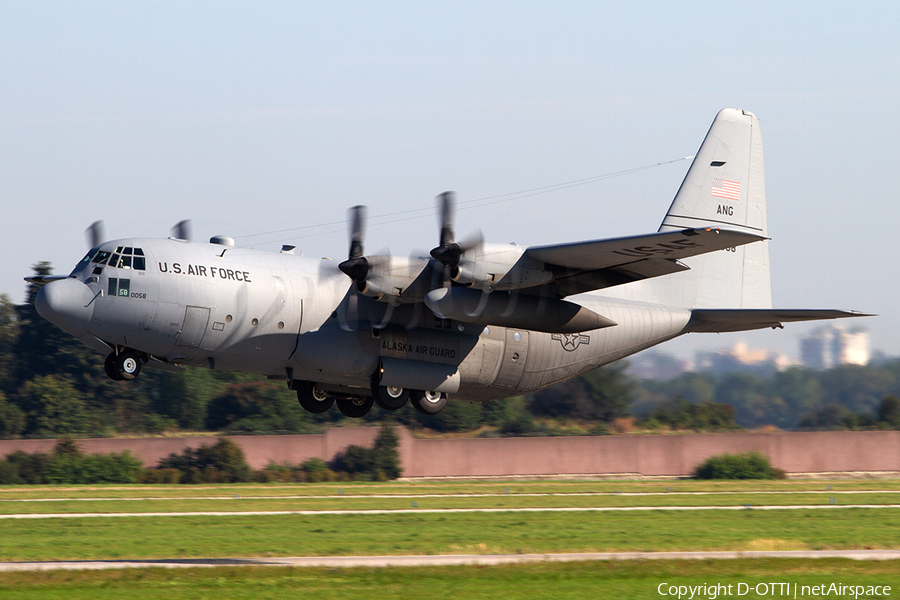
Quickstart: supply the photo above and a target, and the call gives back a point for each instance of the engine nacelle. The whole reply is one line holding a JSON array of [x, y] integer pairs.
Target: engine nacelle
[[397, 277], [522, 311], [499, 267]]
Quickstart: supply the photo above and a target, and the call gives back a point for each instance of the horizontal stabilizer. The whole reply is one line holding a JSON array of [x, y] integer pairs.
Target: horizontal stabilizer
[[724, 320]]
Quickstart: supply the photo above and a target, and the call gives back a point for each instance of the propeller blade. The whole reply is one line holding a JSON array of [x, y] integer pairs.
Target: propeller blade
[[182, 230], [472, 241], [94, 234], [449, 252], [447, 202], [356, 267], [357, 230]]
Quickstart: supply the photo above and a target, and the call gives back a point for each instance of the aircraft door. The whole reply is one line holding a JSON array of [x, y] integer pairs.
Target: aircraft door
[[196, 319], [514, 355]]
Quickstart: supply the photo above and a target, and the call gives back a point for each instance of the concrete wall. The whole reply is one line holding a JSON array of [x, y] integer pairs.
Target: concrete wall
[[659, 455]]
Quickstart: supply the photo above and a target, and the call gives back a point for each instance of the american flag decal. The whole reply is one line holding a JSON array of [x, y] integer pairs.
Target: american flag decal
[[723, 188]]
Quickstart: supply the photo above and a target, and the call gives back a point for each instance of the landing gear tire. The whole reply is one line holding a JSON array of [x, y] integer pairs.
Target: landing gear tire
[[110, 367], [355, 407], [388, 397], [123, 366], [312, 398], [128, 365], [428, 402]]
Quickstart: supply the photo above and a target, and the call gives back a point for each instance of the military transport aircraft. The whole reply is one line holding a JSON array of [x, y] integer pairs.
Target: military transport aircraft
[[473, 321]]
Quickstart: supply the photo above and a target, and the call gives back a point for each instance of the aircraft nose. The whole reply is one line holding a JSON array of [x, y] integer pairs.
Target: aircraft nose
[[67, 304]]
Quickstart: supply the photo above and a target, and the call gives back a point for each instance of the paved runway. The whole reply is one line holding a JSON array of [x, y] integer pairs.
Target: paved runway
[[453, 559]]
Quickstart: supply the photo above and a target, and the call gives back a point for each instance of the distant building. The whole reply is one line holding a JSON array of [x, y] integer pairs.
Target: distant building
[[742, 358], [657, 365], [831, 345]]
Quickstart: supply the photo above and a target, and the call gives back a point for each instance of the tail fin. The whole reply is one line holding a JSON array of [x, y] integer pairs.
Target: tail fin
[[724, 188]]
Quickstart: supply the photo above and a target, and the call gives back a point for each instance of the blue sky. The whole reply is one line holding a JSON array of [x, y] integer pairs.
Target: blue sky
[[251, 118]]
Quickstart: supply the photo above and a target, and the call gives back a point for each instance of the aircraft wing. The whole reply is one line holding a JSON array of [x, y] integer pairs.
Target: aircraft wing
[[714, 320], [586, 266]]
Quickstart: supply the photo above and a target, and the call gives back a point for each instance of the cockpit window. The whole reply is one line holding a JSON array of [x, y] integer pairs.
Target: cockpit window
[[101, 257], [89, 256], [126, 258]]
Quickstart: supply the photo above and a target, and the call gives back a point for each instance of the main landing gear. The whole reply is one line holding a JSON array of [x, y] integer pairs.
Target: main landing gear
[[315, 399], [123, 366], [312, 398], [427, 402]]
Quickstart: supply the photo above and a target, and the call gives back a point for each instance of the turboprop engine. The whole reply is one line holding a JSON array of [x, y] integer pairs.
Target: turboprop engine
[[495, 267], [522, 311], [399, 277]]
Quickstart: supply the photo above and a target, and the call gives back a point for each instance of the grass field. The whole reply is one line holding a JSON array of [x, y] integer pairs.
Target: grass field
[[241, 535], [589, 580]]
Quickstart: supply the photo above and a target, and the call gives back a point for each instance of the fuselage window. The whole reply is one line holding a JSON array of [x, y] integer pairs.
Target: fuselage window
[[119, 287]]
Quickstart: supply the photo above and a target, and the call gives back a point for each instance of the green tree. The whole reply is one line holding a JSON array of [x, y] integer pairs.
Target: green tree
[[495, 411], [54, 407], [387, 459], [750, 396], [257, 406], [12, 419], [222, 462], [603, 394], [703, 416], [456, 416], [748, 465], [827, 418], [889, 411], [42, 348], [800, 390], [381, 462], [9, 334], [858, 389], [184, 397]]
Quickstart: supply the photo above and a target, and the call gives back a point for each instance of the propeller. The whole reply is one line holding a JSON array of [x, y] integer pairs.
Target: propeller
[[94, 234], [182, 230], [356, 267], [449, 252]]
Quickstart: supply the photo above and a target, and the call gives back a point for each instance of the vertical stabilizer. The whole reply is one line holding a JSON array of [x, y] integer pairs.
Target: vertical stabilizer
[[725, 188]]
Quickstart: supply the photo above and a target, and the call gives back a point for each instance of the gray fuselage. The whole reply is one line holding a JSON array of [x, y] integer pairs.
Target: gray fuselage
[[292, 317]]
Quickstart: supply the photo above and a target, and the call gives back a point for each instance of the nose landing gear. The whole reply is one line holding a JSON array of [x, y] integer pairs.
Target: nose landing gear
[[123, 366]]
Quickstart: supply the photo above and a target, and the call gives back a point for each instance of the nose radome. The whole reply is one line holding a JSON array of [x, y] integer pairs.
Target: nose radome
[[67, 304]]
